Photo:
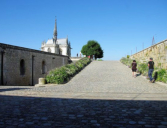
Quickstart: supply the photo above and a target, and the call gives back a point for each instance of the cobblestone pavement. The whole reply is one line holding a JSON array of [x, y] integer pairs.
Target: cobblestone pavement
[[104, 94]]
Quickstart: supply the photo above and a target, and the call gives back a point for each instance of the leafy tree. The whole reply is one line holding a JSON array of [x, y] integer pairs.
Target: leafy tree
[[92, 48], [84, 50]]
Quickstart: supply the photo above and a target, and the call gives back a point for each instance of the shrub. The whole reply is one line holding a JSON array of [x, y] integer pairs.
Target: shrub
[[143, 68], [57, 76], [71, 69], [79, 65], [127, 61], [100, 60], [62, 74], [164, 78], [162, 75]]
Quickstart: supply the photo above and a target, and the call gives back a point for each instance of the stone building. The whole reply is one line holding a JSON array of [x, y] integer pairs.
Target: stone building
[[23, 66], [158, 52], [58, 46]]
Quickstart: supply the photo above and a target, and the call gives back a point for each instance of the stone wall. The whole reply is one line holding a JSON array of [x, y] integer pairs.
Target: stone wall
[[158, 52], [23, 66]]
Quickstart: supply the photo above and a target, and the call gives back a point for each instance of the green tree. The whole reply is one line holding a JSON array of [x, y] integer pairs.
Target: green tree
[[84, 50], [92, 48]]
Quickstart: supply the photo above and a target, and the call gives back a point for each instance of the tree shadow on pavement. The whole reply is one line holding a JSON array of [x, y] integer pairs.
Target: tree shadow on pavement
[[39, 112]]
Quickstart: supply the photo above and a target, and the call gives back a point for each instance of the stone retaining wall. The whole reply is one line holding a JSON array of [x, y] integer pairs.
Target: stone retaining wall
[[158, 52], [23, 66]]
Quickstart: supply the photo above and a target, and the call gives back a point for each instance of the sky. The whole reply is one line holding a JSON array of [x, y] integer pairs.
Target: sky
[[121, 27]]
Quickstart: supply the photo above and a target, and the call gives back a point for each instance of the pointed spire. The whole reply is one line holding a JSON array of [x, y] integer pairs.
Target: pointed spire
[[55, 31]]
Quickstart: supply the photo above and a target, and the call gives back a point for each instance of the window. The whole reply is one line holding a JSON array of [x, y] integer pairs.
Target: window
[[60, 51], [49, 50], [43, 67], [63, 61], [22, 67]]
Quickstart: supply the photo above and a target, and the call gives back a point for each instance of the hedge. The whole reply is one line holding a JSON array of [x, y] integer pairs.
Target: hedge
[[64, 73]]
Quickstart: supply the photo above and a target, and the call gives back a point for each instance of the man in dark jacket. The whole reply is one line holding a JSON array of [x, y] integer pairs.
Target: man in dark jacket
[[151, 69]]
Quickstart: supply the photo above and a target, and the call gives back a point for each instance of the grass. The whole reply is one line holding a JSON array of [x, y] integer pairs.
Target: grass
[[99, 60]]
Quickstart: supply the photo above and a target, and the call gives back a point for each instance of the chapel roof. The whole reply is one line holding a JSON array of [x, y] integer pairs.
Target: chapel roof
[[62, 41], [50, 41]]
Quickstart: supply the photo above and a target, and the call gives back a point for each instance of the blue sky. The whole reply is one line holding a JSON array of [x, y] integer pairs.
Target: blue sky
[[118, 25]]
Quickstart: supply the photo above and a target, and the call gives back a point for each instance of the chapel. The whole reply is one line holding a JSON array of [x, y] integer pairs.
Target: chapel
[[57, 46]]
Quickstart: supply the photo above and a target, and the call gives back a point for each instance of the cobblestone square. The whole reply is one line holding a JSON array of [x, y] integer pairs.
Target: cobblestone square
[[104, 94]]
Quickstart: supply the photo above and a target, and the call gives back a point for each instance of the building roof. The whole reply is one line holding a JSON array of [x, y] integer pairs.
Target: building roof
[[62, 41], [50, 41]]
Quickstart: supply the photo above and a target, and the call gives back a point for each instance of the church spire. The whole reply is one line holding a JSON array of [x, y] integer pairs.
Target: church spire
[[55, 31]]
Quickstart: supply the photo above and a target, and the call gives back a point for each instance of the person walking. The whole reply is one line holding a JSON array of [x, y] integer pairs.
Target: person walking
[[80, 54], [151, 69], [134, 65]]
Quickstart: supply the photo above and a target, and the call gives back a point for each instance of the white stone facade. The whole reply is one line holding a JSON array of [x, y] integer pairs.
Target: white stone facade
[[57, 46]]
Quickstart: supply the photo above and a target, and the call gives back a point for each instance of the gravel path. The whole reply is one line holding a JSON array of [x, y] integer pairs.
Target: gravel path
[[104, 94]]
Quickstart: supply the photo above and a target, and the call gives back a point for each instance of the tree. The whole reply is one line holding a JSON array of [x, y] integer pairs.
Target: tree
[[92, 48], [84, 50]]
